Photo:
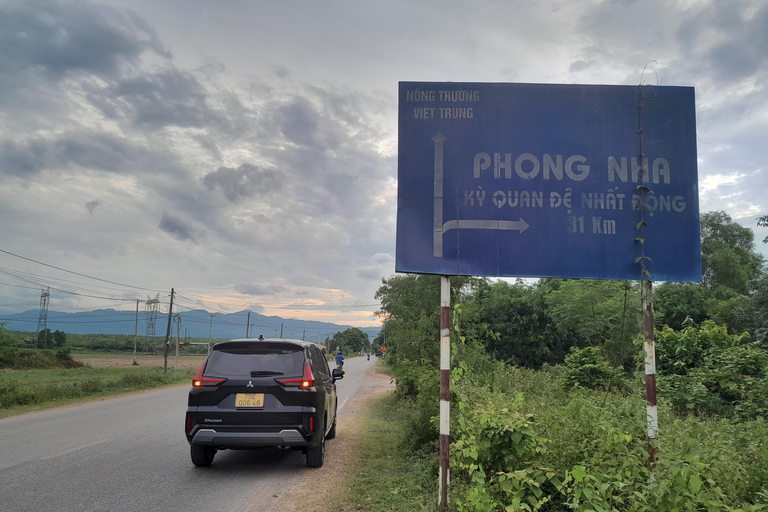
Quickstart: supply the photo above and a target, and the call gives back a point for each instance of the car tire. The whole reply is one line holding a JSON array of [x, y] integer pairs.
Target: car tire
[[332, 432], [316, 454], [202, 456]]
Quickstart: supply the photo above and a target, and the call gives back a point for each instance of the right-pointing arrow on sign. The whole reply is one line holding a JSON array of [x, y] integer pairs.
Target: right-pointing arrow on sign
[[506, 225], [509, 225]]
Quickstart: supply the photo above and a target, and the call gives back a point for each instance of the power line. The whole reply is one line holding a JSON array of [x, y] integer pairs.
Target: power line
[[61, 290], [55, 281], [41, 280], [77, 273]]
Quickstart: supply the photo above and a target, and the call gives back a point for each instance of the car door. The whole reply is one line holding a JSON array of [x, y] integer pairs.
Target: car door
[[324, 380]]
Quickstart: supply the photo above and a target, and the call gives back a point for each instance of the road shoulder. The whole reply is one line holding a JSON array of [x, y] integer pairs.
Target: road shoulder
[[318, 489]]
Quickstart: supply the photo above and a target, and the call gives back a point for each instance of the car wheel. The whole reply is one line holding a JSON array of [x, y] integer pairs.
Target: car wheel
[[332, 432], [202, 456], [316, 454]]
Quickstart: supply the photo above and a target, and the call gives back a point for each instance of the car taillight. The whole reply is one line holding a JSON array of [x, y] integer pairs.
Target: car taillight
[[311, 424], [306, 381], [189, 423], [200, 381]]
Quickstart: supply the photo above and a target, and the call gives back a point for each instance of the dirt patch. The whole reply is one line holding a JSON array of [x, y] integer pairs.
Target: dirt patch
[[340, 459], [143, 360]]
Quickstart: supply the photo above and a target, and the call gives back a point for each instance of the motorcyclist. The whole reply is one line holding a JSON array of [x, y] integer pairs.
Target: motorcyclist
[[368, 355], [339, 360]]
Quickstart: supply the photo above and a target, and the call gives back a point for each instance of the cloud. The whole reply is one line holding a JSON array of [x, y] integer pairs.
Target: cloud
[[165, 97], [178, 228], [258, 289], [84, 150], [370, 273], [58, 37], [256, 308], [245, 181], [91, 205], [728, 38]]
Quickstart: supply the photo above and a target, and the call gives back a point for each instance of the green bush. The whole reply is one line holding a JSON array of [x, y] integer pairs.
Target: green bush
[[92, 385], [706, 371], [588, 368], [590, 448], [26, 359], [678, 352], [499, 454]]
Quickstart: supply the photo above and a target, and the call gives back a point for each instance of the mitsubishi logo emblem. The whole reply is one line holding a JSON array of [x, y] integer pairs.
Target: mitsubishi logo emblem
[[250, 384]]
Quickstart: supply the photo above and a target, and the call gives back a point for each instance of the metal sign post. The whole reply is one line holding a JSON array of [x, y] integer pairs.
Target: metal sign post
[[445, 390], [649, 342]]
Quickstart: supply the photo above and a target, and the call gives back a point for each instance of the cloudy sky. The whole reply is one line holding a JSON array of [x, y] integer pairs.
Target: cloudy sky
[[245, 152]]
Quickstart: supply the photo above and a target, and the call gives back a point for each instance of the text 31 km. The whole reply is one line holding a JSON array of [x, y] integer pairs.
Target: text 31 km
[[600, 226]]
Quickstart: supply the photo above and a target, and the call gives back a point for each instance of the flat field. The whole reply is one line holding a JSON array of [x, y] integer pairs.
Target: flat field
[[143, 360], [104, 375]]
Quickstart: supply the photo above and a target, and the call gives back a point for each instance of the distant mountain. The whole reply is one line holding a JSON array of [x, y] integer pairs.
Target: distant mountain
[[195, 324]]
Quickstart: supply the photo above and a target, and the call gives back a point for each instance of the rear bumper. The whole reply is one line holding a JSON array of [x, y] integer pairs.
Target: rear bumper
[[212, 437]]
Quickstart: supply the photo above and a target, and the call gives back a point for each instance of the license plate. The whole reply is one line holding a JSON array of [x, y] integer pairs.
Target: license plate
[[249, 400]]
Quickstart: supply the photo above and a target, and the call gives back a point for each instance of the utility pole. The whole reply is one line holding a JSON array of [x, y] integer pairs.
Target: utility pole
[[210, 330], [248, 325], [136, 332], [178, 329], [281, 330], [304, 335], [168, 336]]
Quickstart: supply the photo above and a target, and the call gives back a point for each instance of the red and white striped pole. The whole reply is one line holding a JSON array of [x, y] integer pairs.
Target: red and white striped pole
[[649, 339], [445, 390]]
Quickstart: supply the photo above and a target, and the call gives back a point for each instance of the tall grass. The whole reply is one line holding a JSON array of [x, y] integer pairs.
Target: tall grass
[[596, 442], [389, 477], [20, 389]]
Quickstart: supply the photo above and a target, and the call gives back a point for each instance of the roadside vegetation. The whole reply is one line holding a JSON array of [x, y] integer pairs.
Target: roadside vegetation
[[387, 477], [547, 387], [35, 378]]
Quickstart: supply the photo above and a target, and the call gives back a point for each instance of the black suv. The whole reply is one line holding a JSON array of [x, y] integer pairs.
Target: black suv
[[262, 392]]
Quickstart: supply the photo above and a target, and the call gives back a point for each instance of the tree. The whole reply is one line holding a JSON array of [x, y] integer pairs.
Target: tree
[[604, 313], [350, 340], [513, 324], [59, 338], [45, 338], [763, 223], [728, 254], [410, 308], [6, 338], [674, 302]]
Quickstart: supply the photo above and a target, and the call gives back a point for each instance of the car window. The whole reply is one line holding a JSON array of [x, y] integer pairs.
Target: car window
[[315, 361], [240, 363]]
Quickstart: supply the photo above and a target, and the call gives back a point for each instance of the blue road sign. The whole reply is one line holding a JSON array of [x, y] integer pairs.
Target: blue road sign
[[537, 180]]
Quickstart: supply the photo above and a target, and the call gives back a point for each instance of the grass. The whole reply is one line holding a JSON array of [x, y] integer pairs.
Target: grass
[[388, 477], [27, 390]]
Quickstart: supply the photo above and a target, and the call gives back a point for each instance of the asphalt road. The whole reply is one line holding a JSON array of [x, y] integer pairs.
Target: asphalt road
[[130, 453]]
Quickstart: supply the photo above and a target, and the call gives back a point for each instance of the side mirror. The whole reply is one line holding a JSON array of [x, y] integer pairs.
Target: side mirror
[[338, 374]]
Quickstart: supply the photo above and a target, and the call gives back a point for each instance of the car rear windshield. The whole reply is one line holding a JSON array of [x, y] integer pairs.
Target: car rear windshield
[[246, 363]]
